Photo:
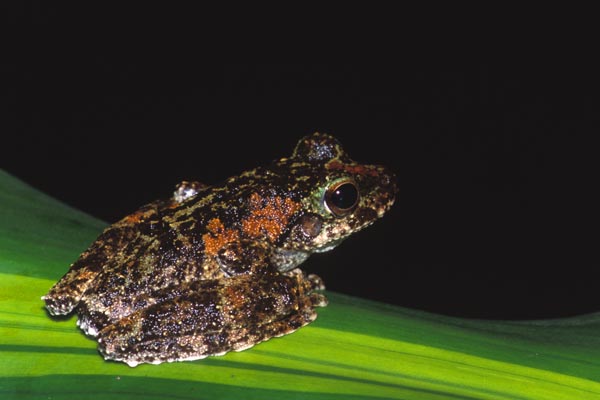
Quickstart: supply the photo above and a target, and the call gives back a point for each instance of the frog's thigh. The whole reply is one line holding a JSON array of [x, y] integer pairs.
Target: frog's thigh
[[64, 296], [217, 317]]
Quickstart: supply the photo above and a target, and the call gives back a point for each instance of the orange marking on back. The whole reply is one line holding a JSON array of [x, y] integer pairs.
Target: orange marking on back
[[138, 216], [134, 218], [218, 236], [268, 219], [172, 204]]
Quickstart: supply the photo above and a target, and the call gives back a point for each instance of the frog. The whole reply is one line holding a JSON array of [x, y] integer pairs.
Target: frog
[[215, 268]]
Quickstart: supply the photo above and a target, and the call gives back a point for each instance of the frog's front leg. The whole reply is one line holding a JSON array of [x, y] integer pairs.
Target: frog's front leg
[[245, 257], [213, 317]]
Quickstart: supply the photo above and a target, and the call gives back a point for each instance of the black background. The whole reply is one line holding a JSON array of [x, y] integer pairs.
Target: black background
[[497, 211]]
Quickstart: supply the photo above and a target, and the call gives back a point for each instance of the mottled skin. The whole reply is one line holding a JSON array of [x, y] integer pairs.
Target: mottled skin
[[214, 268]]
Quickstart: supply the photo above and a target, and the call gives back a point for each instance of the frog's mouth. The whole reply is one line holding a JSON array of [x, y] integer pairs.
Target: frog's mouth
[[328, 246], [286, 259]]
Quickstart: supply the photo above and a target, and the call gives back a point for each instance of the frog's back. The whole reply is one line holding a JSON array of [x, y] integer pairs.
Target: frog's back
[[168, 242]]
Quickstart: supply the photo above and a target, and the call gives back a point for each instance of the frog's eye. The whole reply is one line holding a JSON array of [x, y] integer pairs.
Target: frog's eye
[[341, 198]]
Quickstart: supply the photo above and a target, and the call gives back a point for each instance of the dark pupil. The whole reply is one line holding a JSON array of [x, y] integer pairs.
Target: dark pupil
[[344, 196]]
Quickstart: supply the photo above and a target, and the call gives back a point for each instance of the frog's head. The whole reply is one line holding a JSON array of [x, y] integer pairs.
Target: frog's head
[[339, 197]]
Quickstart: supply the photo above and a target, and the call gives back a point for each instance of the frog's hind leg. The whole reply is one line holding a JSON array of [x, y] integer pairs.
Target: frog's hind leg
[[65, 295], [110, 246], [212, 317]]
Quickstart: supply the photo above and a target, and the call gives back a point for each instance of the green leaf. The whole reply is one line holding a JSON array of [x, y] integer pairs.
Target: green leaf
[[355, 349]]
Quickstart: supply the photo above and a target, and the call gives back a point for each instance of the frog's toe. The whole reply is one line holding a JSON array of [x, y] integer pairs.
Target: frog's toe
[[88, 325], [318, 300], [91, 320], [316, 283], [59, 304]]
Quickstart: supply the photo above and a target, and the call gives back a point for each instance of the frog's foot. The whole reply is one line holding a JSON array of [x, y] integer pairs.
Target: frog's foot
[[304, 315], [290, 324], [65, 295], [59, 302]]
